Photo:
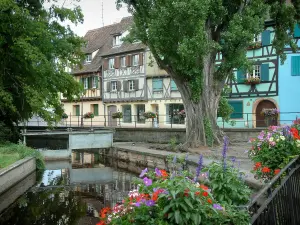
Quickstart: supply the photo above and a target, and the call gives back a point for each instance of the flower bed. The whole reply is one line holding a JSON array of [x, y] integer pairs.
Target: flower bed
[[273, 149], [178, 197]]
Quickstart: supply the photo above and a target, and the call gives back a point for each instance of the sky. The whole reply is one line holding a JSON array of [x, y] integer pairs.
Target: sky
[[92, 11]]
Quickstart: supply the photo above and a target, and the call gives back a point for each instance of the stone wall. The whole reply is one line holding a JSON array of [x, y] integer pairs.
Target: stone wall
[[163, 135], [16, 172]]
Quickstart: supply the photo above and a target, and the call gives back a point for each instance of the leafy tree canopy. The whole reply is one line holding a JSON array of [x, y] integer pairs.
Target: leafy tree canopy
[[34, 49]]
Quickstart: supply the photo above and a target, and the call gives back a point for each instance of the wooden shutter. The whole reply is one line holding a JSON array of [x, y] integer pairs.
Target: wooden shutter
[[119, 85], [266, 38], [96, 109], [108, 85], [264, 70], [237, 109], [125, 86], [295, 65], [240, 76], [105, 64], [136, 85], [141, 59], [117, 62], [128, 60], [297, 31]]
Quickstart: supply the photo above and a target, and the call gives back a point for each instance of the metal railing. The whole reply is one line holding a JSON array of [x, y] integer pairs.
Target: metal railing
[[278, 203], [245, 120]]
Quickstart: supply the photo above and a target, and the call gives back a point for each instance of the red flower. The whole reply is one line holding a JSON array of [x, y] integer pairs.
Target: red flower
[[101, 223], [197, 193], [209, 201], [203, 187], [266, 170], [295, 133], [186, 192], [276, 171], [258, 164], [205, 194]]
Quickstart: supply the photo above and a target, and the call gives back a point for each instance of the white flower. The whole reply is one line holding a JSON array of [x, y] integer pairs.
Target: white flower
[[298, 143], [271, 139], [282, 138], [277, 140]]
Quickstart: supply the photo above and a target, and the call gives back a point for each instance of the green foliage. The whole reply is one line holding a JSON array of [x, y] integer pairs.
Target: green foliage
[[227, 184], [208, 132], [34, 50], [225, 109], [173, 143], [22, 151]]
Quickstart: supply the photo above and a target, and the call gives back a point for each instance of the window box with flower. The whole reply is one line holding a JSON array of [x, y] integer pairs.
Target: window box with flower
[[88, 115], [270, 115], [149, 115], [117, 115], [252, 80]]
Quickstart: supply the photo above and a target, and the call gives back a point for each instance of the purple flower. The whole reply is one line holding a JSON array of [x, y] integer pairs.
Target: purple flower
[[143, 172], [199, 167], [150, 203], [137, 204], [217, 206], [157, 172], [147, 181], [174, 159]]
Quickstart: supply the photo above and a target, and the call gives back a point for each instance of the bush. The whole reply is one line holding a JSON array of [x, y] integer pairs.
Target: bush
[[117, 115], [149, 115], [88, 115], [273, 149]]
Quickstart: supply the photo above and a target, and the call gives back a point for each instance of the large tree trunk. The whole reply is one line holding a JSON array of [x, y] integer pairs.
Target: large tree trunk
[[204, 109]]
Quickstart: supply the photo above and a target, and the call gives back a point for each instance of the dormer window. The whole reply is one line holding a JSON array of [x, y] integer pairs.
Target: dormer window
[[257, 38], [117, 40], [88, 58]]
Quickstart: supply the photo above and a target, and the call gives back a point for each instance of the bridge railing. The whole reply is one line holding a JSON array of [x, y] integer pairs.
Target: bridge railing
[[278, 203]]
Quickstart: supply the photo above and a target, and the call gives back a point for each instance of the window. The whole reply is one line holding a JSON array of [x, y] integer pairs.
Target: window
[[237, 109], [172, 111], [131, 85], [295, 65], [76, 110], [88, 58], [135, 60], [157, 84], [95, 82], [126, 113], [95, 109], [117, 40], [140, 109], [85, 83], [123, 61], [114, 85], [173, 86], [111, 63], [256, 71], [257, 38]]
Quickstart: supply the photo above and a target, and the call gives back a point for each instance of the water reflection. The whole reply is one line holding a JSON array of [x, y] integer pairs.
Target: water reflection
[[71, 193]]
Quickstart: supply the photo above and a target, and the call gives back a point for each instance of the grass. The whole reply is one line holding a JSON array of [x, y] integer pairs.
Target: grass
[[10, 153]]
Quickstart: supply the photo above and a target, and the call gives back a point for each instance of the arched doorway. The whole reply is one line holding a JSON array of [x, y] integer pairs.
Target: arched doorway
[[111, 109], [260, 119]]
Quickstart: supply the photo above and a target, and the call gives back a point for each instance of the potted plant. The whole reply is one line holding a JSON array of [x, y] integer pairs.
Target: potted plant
[[88, 115], [149, 115], [65, 116], [270, 115], [252, 80], [117, 115], [255, 45]]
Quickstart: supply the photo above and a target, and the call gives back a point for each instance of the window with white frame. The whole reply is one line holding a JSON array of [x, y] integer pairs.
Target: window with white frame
[[95, 80], [135, 60], [88, 58], [123, 61], [114, 86], [257, 38], [131, 85], [85, 83], [255, 72], [117, 40], [111, 63]]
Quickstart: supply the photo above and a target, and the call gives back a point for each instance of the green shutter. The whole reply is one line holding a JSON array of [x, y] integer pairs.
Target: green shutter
[[266, 38], [297, 31], [264, 72], [96, 110], [97, 81], [237, 109], [90, 82], [240, 76], [77, 110], [157, 84], [81, 80], [295, 65], [173, 86]]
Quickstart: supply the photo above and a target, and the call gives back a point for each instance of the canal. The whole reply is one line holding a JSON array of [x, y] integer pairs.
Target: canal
[[72, 192]]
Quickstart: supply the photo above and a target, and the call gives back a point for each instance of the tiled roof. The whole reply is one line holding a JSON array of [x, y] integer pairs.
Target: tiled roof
[[102, 39]]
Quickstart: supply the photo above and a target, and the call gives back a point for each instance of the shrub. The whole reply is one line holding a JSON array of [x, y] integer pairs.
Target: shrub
[[88, 115], [149, 115], [273, 149], [65, 116], [117, 115]]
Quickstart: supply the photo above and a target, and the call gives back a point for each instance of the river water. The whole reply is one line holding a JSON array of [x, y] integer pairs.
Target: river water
[[72, 192]]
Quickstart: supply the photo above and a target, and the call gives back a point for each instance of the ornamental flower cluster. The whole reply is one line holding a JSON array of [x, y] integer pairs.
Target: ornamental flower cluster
[[169, 198], [88, 115], [273, 149], [149, 115], [117, 115], [270, 112], [252, 80], [180, 114]]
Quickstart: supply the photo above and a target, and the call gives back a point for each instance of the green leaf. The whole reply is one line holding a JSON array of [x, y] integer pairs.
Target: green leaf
[[177, 216], [188, 202]]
